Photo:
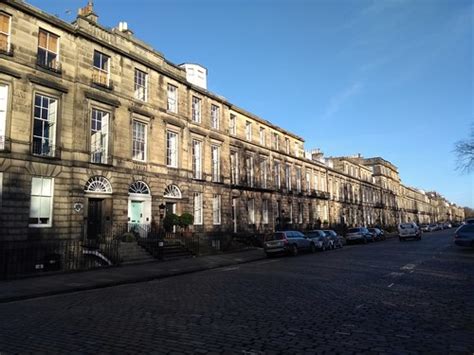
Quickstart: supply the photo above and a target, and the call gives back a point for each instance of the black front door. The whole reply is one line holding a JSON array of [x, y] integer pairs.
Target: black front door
[[94, 218]]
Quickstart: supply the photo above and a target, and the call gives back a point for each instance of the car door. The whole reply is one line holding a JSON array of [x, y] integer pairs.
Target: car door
[[301, 240]]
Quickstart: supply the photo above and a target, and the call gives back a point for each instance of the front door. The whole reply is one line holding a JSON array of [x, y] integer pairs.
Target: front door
[[136, 213], [170, 207], [94, 218]]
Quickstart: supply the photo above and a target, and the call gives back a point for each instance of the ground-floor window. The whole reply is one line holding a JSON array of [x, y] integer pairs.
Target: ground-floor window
[[265, 212], [251, 210], [41, 202], [216, 209], [198, 208]]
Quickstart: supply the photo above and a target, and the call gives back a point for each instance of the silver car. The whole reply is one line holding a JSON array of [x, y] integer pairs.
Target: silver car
[[320, 239], [287, 242]]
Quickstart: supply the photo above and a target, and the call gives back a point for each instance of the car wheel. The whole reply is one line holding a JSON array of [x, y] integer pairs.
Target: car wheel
[[323, 248], [312, 248], [364, 240], [294, 250]]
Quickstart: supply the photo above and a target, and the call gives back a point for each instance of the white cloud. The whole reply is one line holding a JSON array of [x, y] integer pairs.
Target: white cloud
[[338, 100]]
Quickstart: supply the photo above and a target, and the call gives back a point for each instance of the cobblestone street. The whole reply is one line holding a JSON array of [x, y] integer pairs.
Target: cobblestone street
[[385, 297]]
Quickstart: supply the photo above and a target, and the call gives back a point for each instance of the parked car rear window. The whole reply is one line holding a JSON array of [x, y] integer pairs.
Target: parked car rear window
[[277, 236], [406, 225]]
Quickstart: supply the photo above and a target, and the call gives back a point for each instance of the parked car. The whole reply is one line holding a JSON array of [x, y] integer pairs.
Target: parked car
[[464, 235], [377, 233], [320, 239], [287, 242], [408, 230], [424, 227], [432, 227], [359, 234], [469, 221], [337, 241]]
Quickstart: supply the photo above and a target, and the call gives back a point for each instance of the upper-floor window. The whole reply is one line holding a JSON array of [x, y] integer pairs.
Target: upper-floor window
[[287, 146], [248, 130], [99, 136], [262, 137], [3, 114], [101, 69], [265, 211], [234, 167], [232, 125], [172, 98], [308, 182], [297, 150], [215, 116], [44, 125], [298, 179], [139, 141], [48, 50], [250, 170], [315, 182], [216, 163], [196, 109], [276, 141], [277, 173], [288, 177], [41, 205], [141, 83], [172, 149], [197, 159], [5, 21], [251, 210], [263, 173]]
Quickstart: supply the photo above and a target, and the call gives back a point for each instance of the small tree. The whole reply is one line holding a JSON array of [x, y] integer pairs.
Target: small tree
[[464, 150], [170, 221], [185, 220]]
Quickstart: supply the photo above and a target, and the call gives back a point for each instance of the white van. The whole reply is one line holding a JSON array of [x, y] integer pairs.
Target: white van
[[408, 230]]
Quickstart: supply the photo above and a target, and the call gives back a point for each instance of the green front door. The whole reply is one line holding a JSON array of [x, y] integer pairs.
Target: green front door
[[136, 212]]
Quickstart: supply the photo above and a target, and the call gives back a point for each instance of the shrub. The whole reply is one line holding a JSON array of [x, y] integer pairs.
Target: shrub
[[185, 220], [127, 237]]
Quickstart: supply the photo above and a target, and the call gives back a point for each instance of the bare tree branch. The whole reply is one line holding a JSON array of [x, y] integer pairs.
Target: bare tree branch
[[464, 150]]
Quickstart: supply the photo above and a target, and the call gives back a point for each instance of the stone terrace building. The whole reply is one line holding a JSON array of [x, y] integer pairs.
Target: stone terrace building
[[98, 129]]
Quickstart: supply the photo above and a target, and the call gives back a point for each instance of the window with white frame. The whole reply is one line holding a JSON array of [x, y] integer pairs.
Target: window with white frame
[[172, 149], [216, 209], [41, 205], [197, 208], [298, 179], [3, 114], [172, 98], [300, 212], [234, 167], [291, 211], [263, 173], [196, 109], [141, 85], [308, 181], [288, 177], [216, 163], [249, 169], [197, 159], [287, 146], [99, 136], [1, 188], [251, 210], [276, 141], [263, 140], [48, 50], [44, 125], [215, 116], [5, 21], [232, 125], [265, 211], [139, 140], [248, 130], [297, 150], [101, 69], [277, 174]]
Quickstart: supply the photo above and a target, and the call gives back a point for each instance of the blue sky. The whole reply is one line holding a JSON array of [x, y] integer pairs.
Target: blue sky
[[382, 78]]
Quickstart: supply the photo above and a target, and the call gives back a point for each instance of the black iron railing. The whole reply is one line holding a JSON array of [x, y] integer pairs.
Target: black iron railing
[[30, 258]]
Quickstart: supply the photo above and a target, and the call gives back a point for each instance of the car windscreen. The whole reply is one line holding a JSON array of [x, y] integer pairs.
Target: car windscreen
[[313, 235], [467, 228]]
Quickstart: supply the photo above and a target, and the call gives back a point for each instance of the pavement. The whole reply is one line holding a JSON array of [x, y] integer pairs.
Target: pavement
[[48, 285]]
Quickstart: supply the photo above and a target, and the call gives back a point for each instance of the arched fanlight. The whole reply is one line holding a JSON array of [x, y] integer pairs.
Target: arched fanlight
[[139, 187], [98, 184], [172, 191]]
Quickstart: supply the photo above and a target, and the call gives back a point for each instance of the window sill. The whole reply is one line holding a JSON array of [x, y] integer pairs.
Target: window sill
[[56, 72], [40, 225], [100, 86]]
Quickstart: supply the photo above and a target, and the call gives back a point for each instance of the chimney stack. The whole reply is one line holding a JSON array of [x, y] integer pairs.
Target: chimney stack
[[88, 12]]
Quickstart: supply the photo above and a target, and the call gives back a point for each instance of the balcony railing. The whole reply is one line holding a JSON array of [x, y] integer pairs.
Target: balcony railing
[[52, 65], [321, 194], [44, 149]]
